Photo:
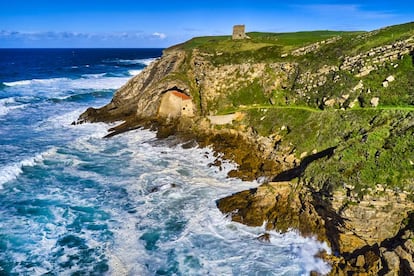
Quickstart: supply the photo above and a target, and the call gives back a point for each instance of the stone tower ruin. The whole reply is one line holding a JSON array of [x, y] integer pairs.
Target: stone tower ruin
[[239, 32]]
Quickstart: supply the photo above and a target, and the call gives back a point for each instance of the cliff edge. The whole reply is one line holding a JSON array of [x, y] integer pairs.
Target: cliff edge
[[325, 118]]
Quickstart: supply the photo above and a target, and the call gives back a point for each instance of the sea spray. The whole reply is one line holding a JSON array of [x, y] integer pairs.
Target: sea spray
[[74, 202], [57, 84]]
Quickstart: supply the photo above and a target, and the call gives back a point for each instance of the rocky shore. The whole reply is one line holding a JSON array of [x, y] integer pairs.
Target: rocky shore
[[320, 184]]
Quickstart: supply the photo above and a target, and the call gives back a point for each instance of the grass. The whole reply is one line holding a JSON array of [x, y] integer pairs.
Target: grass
[[386, 36], [224, 50], [375, 156], [373, 145], [251, 94], [260, 46], [258, 40], [294, 40], [269, 48], [221, 45], [398, 93]]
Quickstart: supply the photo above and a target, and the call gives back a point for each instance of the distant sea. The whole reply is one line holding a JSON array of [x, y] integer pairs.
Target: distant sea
[[74, 203]]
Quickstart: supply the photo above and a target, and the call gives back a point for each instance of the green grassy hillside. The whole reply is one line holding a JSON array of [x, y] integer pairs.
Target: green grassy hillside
[[307, 86], [374, 144]]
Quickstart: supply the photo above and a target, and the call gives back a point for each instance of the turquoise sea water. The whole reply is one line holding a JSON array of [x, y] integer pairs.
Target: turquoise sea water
[[73, 203]]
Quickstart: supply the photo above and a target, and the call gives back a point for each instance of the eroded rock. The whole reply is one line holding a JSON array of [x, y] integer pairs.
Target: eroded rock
[[392, 262]]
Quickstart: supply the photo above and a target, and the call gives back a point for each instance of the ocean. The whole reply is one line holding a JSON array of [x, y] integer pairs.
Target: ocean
[[75, 203]]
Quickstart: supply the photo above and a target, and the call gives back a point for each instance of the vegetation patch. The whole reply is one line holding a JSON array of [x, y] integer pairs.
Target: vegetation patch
[[306, 96]]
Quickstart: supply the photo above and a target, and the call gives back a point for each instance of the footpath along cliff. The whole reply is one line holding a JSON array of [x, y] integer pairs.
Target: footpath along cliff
[[325, 119]]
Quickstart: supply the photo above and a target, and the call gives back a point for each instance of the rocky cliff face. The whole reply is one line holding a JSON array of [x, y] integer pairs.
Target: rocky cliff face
[[374, 60], [141, 96], [369, 228], [219, 86], [211, 87], [364, 236]]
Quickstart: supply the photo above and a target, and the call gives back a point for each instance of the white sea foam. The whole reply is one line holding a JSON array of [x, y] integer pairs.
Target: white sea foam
[[134, 72], [93, 76], [166, 183], [16, 83], [12, 171], [4, 105], [97, 83], [9, 104], [34, 81], [64, 121], [45, 251], [170, 191], [145, 61], [148, 61], [65, 84]]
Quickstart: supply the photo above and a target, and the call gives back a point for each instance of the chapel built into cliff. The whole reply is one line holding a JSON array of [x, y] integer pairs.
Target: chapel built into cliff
[[175, 103]]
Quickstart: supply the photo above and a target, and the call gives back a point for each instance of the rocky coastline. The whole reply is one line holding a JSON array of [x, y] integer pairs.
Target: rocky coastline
[[370, 229]]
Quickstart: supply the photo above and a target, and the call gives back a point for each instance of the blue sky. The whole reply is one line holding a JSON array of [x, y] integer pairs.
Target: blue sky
[[134, 23]]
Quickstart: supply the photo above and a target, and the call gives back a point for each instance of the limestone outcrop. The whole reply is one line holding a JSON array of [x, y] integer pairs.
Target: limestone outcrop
[[314, 46], [362, 64], [141, 96], [372, 237]]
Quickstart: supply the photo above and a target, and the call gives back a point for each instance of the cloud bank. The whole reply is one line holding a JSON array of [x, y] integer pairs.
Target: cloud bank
[[347, 10], [79, 39], [159, 35]]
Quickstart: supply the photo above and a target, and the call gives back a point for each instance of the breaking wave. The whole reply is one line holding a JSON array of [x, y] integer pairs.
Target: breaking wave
[[134, 72], [9, 104], [89, 82], [127, 62], [12, 171], [83, 97]]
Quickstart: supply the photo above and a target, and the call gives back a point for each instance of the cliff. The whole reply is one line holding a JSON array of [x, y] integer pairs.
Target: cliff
[[327, 118]]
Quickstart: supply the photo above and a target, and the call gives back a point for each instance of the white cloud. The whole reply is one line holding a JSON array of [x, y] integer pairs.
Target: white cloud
[[345, 10], [82, 39], [159, 35], [42, 35]]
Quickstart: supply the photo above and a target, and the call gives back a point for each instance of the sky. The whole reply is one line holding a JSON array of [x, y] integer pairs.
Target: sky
[[144, 24]]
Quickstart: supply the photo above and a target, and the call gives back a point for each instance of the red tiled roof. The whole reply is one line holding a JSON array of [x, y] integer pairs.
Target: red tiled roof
[[181, 95]]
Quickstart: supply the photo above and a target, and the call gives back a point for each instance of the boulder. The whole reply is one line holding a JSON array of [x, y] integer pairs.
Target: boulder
[[406, 260], [390, 78], [359, 86], [374, 101], [392, 261], [409, 246], [360, 261], [330, 103]]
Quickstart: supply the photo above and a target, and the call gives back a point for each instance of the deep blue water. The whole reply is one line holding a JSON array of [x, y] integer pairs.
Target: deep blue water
[[73, 203]]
